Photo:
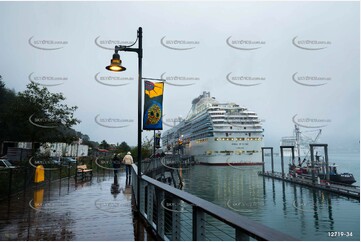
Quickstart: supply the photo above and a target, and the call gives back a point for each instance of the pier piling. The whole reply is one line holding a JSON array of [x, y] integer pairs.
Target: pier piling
[[326, 160], [293, 157], [267, 148], [272, 163], [325, 149]]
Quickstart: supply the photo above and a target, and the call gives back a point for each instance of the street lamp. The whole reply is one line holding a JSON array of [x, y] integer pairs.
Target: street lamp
[[115, 65]]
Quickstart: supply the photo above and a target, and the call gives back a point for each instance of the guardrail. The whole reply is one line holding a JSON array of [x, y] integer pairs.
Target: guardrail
[[177, 215], [167, 162], [13, 180]]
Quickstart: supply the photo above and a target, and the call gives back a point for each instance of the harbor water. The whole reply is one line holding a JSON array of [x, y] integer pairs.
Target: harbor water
[[301, 212]]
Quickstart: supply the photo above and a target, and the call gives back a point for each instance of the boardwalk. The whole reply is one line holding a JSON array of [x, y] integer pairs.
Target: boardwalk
[[65, 210]]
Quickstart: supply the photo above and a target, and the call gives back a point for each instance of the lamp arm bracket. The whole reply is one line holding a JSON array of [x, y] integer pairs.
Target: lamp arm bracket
[[124, 48]]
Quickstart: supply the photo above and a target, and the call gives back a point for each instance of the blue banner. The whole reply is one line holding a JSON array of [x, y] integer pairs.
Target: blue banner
[[153, 105]]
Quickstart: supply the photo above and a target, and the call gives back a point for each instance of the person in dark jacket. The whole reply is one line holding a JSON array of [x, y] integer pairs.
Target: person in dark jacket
[[116, 163]]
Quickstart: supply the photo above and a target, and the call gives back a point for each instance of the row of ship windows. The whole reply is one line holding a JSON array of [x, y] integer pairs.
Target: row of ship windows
[[249, 123], [229, 139], [236, 152], [233, 116], [237, 139], [202, 140], [198, 141], [249, 126]]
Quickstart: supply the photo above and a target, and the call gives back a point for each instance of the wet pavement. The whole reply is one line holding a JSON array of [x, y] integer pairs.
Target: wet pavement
[[66, 210]]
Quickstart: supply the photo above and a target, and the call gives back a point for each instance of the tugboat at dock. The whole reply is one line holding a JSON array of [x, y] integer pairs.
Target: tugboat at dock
[[320, 168]]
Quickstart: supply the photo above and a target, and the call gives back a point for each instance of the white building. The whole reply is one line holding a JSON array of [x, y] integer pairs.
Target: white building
[[63, 149]]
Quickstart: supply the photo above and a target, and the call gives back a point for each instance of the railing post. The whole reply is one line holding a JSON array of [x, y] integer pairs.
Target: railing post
[[60, 166], [241, 236], [198, 224], [134, 185], [76, 170], [149, 203], [97, 167], [69, 165], [10, 181], [142, 197], [176, 210], [156, 164], [160, 213], [25, 177]]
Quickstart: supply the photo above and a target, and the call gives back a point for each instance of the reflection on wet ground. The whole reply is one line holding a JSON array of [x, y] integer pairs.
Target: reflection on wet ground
[[100, 209]]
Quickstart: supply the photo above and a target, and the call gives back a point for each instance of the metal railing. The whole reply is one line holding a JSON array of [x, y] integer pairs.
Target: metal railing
[[167, 162], [13, 180], [177, 215]]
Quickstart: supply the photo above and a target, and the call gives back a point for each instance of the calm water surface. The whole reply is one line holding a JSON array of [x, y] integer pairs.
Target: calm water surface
[[303, 213]]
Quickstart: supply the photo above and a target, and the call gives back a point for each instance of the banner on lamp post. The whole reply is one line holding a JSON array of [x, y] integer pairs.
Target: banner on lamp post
[[153, 105]]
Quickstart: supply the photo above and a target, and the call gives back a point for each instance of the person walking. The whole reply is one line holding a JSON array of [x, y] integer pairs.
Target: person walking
[[128, 161], [116, 163]]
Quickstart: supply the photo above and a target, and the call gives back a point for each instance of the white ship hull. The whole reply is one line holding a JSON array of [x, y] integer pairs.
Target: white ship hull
[[225, 152]]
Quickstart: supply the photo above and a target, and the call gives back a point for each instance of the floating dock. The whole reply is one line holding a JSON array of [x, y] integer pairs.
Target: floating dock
[[309, 181], [349, 191]]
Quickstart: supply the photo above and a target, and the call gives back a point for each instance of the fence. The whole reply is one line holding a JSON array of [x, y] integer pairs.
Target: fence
[[13, 180], [177, 215], [167, 162]]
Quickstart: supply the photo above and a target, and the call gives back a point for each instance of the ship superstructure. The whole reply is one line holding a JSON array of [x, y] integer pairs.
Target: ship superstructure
[[217, 133]]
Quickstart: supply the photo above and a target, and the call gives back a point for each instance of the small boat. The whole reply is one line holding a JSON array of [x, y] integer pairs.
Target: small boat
[[346, 178], [320, 169]]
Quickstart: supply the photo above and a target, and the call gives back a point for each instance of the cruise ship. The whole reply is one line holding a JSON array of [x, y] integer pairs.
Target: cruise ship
[[216, 133]]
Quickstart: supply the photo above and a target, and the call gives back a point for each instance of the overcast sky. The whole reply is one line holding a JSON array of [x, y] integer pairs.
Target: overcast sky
[[302, 58]]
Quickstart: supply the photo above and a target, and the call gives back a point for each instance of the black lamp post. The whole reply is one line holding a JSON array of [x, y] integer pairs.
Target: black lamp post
[[116, 67]]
